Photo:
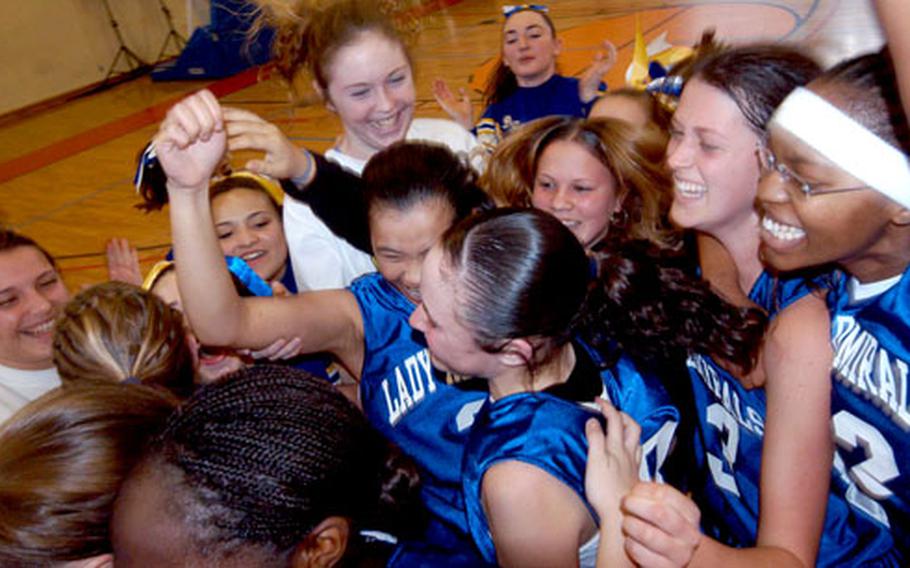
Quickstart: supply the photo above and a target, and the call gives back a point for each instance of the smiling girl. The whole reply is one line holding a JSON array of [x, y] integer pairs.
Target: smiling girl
[[32, 295], [359, 66], [595, 176], [836, 189], [763, 449], [525, 85], [246, 209], [414, 193]]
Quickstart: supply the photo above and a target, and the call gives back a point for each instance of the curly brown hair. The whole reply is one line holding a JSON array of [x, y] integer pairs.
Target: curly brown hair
[[633, 156]]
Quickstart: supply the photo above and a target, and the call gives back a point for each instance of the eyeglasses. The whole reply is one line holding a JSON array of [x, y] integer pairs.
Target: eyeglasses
[[508, 10], [768, 162]]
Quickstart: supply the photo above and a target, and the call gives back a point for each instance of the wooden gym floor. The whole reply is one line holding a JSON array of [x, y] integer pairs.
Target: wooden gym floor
[[66, 173]]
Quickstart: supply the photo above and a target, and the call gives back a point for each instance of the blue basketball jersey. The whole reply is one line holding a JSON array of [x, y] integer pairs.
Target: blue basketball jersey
[[547, 431], [642, 396], [414, 405], [871, 409], [535, 428], [729, 438]]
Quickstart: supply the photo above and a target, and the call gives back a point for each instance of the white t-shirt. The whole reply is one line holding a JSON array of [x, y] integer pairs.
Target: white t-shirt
[[19, 387], [324, 261]]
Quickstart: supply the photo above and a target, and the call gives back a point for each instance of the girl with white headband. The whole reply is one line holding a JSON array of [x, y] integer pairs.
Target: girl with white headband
[[836, 189], [765, 452]]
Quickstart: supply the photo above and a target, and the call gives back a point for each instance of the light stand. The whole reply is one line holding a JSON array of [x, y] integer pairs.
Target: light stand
[[133, 61], [172, 35]]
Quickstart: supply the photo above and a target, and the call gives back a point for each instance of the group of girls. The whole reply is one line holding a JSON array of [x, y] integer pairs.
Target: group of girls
[[488, 339]]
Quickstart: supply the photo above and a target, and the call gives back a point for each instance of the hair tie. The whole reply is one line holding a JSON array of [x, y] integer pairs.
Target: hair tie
[[131, 380], [671, 85], [148, 161], [509, 10], [272, 187]]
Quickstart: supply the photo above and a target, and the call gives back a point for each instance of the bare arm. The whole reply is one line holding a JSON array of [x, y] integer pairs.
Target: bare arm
[[797, 448], [190, 143], [796, 462], [524, 528]]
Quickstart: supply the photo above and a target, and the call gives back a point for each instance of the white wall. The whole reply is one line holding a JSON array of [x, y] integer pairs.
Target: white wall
[[51, 47]]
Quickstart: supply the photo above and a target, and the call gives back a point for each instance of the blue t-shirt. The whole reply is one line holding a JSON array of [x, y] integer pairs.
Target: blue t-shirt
[[558, 95], [729, 443], [871, 409], [417, 407]]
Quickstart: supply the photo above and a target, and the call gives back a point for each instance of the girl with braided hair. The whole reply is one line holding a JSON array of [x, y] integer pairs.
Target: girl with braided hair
[[273, 467]]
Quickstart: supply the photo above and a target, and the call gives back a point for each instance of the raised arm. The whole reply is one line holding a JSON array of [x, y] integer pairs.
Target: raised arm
[[190, 143], [333, 193], [603, 61]]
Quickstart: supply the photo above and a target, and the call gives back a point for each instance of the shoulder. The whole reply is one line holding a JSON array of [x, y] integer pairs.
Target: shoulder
[[443, 131], [803, 322], [522, 528], [798, 343], [564, 81]]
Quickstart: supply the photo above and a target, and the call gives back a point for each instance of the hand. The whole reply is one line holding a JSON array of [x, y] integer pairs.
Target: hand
[[613, 459], [279, 289], [191, 141], [279, 350], [122, 262], [590, 80], [461, 111], [661, 526], [282, 160]]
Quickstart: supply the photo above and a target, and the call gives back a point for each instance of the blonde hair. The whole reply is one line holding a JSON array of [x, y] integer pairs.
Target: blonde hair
[[116, 332], [633, 156], [62, 460]]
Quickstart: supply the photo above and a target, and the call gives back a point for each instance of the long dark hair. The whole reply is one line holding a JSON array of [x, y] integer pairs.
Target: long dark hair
[[502, 81], [257, 461], [522, 273]]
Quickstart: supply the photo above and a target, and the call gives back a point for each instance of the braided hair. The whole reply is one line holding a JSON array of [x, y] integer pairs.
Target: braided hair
[[254, 463]]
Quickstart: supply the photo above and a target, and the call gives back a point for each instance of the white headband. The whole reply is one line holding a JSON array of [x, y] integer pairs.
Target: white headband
[[847, 143]]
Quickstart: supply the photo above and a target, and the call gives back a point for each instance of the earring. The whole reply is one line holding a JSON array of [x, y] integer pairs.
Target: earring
[[619, 218]]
